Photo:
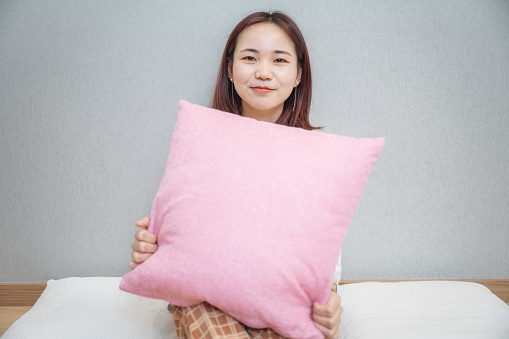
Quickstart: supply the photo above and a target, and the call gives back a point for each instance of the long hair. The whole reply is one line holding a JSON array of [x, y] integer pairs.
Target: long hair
[[225, 97]]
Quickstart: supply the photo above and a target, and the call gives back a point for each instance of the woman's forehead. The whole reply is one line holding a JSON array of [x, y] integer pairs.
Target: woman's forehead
[[265, 37]]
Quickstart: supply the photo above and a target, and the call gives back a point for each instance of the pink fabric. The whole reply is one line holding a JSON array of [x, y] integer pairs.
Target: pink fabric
[[250, 217]]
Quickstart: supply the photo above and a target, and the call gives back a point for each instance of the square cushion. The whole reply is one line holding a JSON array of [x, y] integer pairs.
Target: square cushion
[[250, 217]]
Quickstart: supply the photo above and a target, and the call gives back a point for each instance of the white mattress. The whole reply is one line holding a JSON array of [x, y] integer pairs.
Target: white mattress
[[96, 308]]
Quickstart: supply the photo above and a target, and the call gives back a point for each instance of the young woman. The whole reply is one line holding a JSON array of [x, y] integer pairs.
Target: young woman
[[264, 74]]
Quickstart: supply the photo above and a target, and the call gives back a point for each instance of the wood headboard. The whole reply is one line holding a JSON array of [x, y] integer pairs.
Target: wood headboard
[[27, 294]]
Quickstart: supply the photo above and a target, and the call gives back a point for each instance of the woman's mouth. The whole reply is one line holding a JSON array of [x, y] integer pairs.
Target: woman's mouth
[[262, 90]]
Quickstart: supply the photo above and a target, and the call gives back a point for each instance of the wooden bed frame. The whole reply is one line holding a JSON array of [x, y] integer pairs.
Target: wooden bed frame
[[17, 299]]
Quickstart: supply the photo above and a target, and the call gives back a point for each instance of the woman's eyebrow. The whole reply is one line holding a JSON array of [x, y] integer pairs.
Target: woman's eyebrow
[[281, 52], [253, 50]]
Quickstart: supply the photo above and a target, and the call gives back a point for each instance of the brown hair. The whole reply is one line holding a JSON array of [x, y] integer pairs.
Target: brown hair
[[227, 101]]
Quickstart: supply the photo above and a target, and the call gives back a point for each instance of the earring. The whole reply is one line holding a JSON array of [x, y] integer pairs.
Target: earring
[[233, 100], [294, 99]]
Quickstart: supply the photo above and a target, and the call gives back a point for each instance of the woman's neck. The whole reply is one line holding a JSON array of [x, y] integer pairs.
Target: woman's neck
[[270, 115]]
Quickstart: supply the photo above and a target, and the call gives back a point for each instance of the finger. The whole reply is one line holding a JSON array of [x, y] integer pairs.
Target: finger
[[143, 247], [144, 235], [328, 315], [328, 322], [327, 332], [132, 265], [328, 310], [138, 257], [143, 222]]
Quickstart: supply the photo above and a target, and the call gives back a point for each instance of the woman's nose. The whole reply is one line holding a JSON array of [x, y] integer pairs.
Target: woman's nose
[[264, 71]]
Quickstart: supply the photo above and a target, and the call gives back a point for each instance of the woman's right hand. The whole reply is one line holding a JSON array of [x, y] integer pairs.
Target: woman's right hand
[[144, 244]]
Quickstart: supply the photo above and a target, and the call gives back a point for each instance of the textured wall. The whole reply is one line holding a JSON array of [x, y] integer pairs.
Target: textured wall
[[88, 100]]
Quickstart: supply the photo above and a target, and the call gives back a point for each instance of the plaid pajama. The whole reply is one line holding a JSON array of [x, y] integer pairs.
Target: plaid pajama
[[208, 322]]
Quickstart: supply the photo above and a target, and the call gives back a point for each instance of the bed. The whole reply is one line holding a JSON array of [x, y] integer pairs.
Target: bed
[[94, 307]]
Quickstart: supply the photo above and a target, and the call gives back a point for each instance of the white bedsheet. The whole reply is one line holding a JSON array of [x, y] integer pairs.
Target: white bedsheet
[[96, 308], [422, 309]]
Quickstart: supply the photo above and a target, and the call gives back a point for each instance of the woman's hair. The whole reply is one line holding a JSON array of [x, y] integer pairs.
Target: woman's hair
[[225, 97]]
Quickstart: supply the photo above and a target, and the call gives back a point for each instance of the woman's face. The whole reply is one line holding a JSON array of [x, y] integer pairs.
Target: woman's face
[[264, 70]]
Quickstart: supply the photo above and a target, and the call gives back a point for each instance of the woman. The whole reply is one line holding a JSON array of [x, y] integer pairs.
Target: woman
[[264, 74]]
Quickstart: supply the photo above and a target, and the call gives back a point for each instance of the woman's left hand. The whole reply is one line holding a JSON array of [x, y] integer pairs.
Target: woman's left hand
[[328, 317]]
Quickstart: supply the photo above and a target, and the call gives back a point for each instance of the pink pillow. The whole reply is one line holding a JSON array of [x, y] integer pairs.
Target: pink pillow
[[250, 217]]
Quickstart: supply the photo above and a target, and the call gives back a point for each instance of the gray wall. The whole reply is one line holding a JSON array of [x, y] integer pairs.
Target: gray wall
[[88, 99]]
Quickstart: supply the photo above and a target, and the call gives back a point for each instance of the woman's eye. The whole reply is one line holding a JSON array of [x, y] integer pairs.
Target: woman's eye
[[280, 60], [249, 58]]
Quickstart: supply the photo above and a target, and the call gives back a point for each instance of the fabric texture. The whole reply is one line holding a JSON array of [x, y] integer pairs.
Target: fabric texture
[[93, 307], [250, 217], [422, 310], [337, 271], [204, 321]]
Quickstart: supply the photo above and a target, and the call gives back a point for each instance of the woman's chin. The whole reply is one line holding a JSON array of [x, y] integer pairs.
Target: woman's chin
[[265, 107]]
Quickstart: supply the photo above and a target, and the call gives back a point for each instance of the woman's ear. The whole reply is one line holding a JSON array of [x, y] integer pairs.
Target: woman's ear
[[299, 74], [230, 70]]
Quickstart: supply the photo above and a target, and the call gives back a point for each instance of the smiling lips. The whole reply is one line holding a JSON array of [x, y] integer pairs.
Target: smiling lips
[[262, 90]]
